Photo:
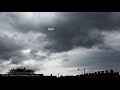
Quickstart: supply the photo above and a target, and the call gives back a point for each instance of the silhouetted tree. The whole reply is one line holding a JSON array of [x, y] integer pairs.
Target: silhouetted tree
[[21, 71]]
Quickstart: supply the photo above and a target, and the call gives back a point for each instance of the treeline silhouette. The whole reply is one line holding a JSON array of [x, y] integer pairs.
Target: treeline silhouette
[[23, 73], [26, 77]]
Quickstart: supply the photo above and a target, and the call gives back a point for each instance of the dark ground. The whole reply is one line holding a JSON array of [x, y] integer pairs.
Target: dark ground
[[58, 83]]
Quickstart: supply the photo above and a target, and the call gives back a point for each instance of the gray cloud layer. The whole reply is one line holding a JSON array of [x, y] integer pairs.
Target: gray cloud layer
[[72, 30], [9, 47]]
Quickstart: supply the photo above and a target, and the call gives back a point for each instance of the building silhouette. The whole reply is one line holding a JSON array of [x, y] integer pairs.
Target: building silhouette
[[24, 73]]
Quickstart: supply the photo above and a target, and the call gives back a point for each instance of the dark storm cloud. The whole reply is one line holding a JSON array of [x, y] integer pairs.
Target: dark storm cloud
[[9, 48], [71, 30], [79, 30]]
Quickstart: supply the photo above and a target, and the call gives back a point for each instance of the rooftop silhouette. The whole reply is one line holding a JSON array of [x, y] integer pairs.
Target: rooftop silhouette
[[24, 73]]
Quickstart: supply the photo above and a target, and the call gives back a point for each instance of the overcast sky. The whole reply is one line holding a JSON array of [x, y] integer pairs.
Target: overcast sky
[[89, 40]]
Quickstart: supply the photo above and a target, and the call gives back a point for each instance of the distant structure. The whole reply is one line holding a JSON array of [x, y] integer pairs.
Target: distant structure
[[101, 74], [58, 74], [29, 73], [84, 71], [20, 71]]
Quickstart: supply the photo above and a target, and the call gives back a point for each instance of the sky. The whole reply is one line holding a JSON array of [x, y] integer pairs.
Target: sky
[[79, 40]]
